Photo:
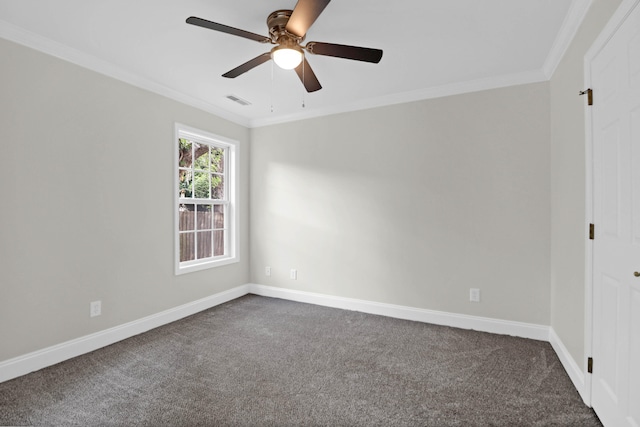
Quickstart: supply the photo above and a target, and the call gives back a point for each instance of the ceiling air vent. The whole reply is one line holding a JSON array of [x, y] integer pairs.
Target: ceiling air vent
[[238, 100]]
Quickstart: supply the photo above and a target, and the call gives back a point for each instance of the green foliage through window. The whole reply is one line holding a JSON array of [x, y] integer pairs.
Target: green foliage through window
[[201, 170]]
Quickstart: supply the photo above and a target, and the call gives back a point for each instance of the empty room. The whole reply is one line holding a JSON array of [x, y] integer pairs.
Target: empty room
[[315, 212]]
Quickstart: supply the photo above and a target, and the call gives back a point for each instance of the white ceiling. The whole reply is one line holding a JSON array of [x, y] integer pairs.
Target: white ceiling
[[431, 48]]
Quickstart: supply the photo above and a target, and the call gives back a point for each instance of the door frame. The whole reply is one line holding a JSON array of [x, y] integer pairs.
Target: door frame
[[616, 21]]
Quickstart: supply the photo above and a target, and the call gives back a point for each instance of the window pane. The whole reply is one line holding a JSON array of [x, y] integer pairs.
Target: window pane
[[184, 153], [186, 217], [187, 247], [204, 244], [218, 218], [202, 157], [204, 217], [217, 187], [185, 183], [201, 185], [203, 201], [217, 160], [218, 243]]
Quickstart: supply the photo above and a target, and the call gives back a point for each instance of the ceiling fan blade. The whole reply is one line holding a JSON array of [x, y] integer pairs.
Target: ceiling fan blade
[[343, 51], [226, 29], [304, 15], [248, 66], [308, 77]]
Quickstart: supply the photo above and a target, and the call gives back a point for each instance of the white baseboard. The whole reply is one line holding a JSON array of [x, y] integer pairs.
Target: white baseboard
[[36, 360], [568, 362], [484, 324]]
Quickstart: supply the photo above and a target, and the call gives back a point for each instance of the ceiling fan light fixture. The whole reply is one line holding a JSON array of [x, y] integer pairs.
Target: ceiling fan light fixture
[[287, 57], [287, 30]]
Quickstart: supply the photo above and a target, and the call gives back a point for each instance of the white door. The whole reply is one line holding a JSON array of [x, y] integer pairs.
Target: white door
[[615, 78]]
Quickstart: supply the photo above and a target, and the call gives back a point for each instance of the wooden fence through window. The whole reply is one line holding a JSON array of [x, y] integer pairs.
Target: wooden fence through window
[[210, 241]]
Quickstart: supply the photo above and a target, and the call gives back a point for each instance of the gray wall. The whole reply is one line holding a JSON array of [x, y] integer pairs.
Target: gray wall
[[87, 212], [568, 178], [411, 204]]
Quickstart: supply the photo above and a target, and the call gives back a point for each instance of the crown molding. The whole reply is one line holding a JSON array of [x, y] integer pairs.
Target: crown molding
[[35, 41], [575, 16], [459, 88], [572, 21]]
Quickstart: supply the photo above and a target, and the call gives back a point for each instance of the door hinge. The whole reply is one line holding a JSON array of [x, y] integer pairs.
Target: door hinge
[[592, 232], [589, 93], [590, 365]]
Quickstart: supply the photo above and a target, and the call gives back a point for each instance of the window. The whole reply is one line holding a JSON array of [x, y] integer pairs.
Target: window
[[206, 217]]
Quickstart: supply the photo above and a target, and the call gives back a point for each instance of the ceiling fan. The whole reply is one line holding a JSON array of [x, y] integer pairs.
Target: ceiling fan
[[287, 30]]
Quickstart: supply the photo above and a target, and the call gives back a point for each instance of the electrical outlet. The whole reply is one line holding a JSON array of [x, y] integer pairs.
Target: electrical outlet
[[293, 275], [474, 295], [267, 271], [95, 308]]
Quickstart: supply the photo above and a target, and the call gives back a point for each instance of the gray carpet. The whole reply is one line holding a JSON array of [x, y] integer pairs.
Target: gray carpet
[[259, 361]]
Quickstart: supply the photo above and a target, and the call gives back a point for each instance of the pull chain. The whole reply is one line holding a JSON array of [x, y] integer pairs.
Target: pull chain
[[272, 86], [303, 82]]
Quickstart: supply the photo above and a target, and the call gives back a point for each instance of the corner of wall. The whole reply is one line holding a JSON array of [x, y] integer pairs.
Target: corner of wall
[[570, 366]]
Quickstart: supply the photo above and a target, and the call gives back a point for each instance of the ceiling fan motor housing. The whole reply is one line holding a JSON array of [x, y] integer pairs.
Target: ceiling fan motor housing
[[277, 22]]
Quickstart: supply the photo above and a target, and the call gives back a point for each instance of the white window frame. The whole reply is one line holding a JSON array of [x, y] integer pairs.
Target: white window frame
[[231, 188]]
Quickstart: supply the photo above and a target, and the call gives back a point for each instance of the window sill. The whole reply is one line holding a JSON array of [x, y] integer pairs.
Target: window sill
[[205, 265]]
